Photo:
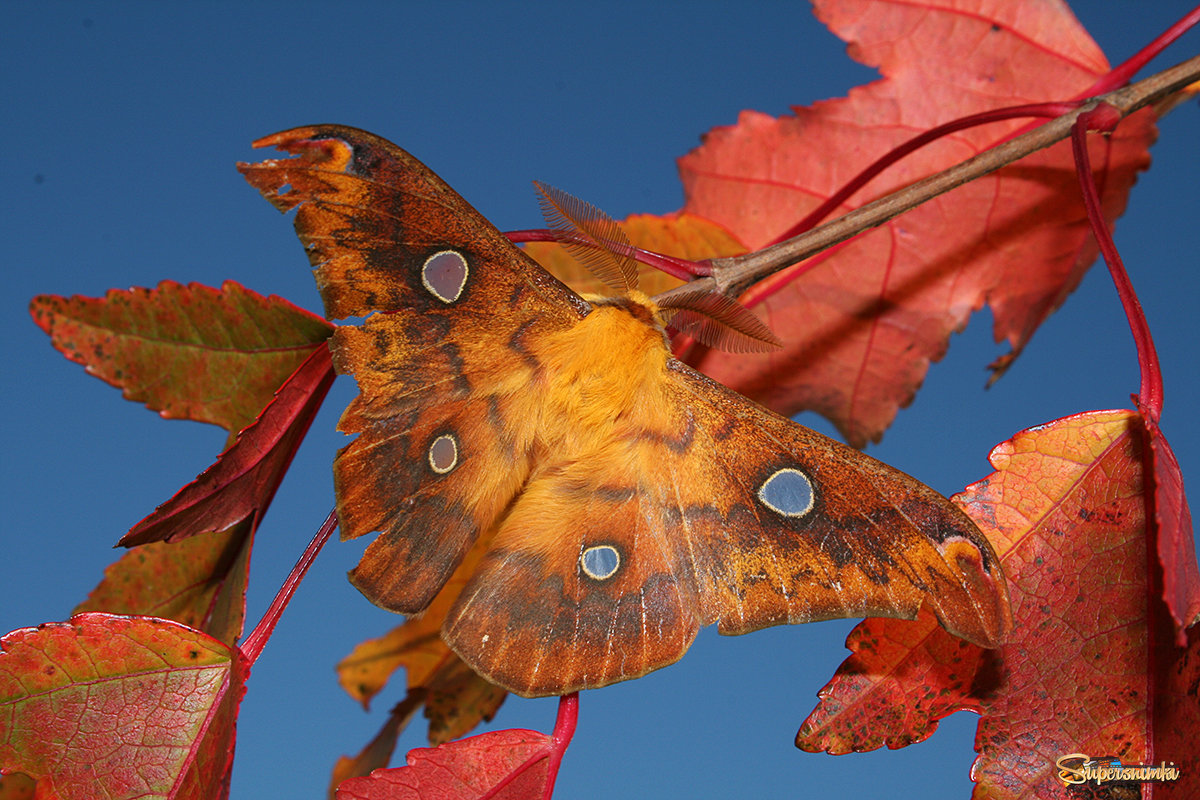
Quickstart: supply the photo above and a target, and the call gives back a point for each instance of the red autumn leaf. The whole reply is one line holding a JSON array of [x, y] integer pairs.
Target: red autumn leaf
[[246, 475], [1092, 666], [188, 352], [1176, 543], [119, 707], [18, 786], [501, 765], [862, 327]]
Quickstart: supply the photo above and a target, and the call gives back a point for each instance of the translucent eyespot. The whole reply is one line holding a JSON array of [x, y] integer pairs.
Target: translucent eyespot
[[444, 275], [443, 454], [601, 562], [788, 492]]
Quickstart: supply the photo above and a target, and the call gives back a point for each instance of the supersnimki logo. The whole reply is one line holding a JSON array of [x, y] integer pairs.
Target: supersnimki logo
[[1075, 768]]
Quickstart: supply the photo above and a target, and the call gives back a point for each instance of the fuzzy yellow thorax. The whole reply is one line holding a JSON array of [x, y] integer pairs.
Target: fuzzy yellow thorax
[[603, 372]]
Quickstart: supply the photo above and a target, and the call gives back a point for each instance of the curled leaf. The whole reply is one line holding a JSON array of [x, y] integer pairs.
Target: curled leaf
[[245, 477]]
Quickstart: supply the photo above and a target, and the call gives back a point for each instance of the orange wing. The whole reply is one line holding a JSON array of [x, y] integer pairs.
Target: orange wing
[[437, 458], [704, 507]]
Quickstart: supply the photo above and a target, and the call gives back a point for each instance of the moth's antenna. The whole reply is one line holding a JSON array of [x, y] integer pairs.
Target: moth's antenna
[[719, 321], [591, 236]]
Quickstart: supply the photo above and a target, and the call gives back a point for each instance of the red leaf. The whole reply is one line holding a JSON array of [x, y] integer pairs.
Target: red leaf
[[245, 477], [501, 765], [1092, 666], [179, 349], [899, 681], [862, 328], [1176, 541], [119, 707], [19, 786]]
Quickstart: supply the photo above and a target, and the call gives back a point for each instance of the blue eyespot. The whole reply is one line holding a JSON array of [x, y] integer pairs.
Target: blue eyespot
[[601, 562], [788, 492]]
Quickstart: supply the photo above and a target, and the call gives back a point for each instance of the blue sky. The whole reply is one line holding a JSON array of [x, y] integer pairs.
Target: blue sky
[[124, 122]]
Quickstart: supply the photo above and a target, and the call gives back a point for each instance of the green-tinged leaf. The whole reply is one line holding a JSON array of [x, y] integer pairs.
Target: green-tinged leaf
[[200, 581], [218, 356], [117, 707], [188, 352]]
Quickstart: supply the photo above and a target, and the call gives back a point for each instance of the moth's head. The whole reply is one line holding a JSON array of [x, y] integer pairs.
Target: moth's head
[[597, 241], [713, 319], [638, 305]]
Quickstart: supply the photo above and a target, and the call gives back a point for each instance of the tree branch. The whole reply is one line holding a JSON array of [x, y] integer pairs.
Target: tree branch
[[734, 275]]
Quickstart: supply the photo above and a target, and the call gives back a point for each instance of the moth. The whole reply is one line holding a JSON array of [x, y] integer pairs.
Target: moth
[[621, 499]]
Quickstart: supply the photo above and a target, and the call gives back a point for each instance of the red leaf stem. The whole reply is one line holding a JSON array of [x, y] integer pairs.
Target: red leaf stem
[[1124, 72], [553, 751], [1150, 393], [257, 639], [564, 729], [245, 477]]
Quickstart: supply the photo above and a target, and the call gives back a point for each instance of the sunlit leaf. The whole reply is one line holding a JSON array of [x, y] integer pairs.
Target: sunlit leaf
[[186, 351], [464, 770], [119, 707], [861, 328]]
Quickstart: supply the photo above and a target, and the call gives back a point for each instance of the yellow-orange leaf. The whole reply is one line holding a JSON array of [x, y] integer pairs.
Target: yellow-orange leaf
[[455, 698], [679, 235]]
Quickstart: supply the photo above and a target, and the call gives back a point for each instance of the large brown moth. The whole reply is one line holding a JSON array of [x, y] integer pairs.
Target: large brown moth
[[624, 500]]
